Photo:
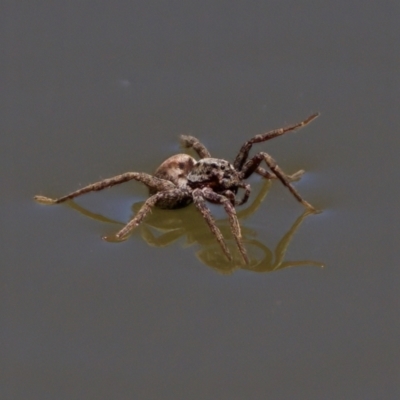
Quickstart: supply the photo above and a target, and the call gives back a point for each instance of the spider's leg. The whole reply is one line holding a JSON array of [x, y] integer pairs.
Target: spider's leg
[[234, 222], [199, 202], [254, 162], [269, 175], [169, 195], [244, 151], [192, 142], [149, 180]]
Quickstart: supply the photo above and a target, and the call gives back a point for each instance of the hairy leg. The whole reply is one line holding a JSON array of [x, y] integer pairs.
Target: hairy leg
[[253, 164], [149, 180], [200, 204], [192, 142], [160, 197], [244, 151], [234, 222]]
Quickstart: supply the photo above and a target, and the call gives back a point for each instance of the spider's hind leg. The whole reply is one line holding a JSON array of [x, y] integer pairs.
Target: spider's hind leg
[[194, 143], [241, 158], [149, 180]]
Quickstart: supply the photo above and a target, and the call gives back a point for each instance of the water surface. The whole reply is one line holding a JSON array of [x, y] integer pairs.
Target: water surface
[[94, 91]]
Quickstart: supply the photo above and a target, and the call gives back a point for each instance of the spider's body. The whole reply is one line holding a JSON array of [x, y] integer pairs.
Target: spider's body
[[181, 180]]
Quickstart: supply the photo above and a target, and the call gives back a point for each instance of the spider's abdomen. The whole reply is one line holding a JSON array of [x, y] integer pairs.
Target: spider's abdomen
[[215, 173], [175, 169]]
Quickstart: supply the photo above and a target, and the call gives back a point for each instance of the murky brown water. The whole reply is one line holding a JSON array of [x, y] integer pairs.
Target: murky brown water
[[90, 92]]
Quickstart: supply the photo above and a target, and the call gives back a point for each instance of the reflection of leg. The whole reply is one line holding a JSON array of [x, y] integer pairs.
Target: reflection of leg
[[149, 180], [304, 263], [191, 142], [281, 248], [95, 216], [200, 204], [145, 209], [163, 239], [253, 163], [268, 264], [230, 210]]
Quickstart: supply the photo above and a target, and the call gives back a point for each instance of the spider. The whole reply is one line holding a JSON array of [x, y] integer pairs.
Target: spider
[[181, 180]]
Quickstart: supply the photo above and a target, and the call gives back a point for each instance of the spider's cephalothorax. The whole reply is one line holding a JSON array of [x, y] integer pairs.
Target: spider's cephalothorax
[[181, 180], [214, 173]]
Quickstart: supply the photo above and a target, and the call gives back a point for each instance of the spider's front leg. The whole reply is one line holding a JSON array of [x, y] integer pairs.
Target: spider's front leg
[[253, 164], [210, 195], [176, 195], [198, 198], [199, 202], [149, 180]]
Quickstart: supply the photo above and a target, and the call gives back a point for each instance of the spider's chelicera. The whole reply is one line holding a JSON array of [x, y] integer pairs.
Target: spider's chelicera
[[181, 180]]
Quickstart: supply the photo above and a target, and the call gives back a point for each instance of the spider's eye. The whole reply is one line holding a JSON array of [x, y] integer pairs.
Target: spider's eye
[[222, 167], [181, 165], [213, 165]]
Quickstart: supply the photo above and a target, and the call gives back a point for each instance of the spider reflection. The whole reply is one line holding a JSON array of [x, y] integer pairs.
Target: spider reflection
[[163, 228]]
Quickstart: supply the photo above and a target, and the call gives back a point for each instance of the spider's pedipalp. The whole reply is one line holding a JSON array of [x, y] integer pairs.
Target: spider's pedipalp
[[200, 204], [247, 191], [230, 196], [255, 161], [234, 222], [244, 150], [194, 143], [149, 180]]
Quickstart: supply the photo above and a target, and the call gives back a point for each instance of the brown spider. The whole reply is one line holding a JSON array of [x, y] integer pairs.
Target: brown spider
[[181, 180]]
